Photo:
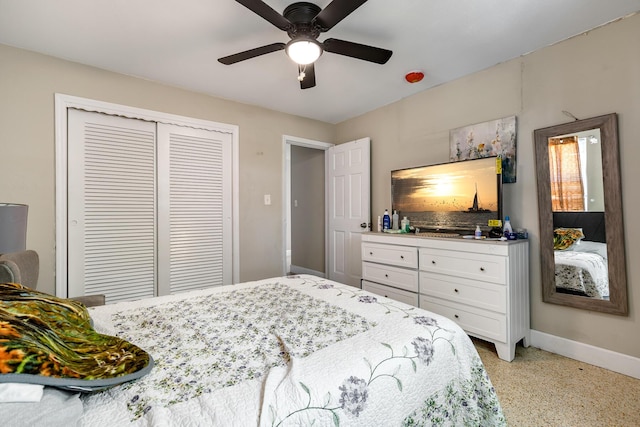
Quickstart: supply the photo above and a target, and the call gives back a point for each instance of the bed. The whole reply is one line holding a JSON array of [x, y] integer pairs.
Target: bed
[[580, 254], [287, 351], [582, 270]]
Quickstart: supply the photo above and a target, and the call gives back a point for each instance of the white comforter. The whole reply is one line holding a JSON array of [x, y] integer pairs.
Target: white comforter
[[293, 351]]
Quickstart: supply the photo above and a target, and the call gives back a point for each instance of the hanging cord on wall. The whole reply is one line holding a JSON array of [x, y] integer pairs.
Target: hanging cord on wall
[[566, 113]]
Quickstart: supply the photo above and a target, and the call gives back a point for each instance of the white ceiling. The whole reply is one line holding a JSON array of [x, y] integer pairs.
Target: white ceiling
[[177, 42]]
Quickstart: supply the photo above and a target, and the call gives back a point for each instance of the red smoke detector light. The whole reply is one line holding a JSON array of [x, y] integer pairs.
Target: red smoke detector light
[[414, 76]]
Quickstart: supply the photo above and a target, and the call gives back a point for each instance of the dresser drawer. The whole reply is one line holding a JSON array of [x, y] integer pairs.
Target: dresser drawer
[[477, 266], [389, 292], [481, 323], [403, 256], [483, 295], [387, 275]]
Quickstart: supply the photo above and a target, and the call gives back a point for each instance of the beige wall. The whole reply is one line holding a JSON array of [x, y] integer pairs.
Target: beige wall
[[28, 82], [537, 88]]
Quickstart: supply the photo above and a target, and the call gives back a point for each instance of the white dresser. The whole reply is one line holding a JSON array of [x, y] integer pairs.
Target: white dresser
[[481, 284]]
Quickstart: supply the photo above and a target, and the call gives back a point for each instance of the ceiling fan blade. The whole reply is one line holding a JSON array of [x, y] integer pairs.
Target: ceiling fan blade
[[335, 12], [251, 53], [262, 9], [309, 77], [357, 50]]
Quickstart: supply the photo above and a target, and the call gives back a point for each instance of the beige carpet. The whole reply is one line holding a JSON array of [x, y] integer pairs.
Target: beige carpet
[[539, 388]]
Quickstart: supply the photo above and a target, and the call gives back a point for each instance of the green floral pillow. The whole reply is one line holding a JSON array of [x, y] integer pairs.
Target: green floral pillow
[[564, 238], [50, 341]]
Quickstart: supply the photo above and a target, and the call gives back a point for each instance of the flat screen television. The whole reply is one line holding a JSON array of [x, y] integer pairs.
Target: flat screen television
[[449, 197]]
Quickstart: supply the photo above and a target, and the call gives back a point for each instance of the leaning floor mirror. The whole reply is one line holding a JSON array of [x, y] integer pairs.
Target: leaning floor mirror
[[582, 253]]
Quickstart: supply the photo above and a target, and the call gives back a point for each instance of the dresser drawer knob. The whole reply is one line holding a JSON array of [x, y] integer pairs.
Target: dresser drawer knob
[[370, 253], [481, 268], [456, 291], [386, 275], [401, 256], [456, 316], [433, 261]]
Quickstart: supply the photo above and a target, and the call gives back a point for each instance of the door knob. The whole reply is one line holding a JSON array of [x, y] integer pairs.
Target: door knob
[[363, 225]]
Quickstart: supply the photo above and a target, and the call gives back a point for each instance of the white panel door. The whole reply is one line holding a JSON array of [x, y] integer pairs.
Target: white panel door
[[111, 216], [195, 215], [348, 174]]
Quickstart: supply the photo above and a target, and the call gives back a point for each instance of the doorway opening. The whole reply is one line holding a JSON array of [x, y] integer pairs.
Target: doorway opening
[[305, 207]]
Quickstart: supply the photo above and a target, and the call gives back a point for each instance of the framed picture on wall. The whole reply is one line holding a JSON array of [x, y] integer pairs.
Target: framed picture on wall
[[492, 138]]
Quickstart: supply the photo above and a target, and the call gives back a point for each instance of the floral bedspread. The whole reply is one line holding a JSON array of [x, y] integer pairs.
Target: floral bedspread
[[293, 351]]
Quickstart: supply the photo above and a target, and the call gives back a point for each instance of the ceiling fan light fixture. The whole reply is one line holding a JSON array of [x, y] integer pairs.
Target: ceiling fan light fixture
[[303, 51]]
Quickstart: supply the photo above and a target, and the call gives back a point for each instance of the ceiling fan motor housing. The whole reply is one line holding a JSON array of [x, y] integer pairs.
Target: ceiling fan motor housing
[[301, 15]]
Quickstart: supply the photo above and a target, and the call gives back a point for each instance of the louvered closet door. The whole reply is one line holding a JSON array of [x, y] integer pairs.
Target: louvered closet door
[[111, 206], [195, 208]]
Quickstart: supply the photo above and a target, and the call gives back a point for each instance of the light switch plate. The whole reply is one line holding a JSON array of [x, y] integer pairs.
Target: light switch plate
[[267, 199]]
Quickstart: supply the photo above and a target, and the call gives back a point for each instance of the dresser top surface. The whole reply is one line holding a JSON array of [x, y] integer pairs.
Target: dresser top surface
[[496, 246], [440, 236]]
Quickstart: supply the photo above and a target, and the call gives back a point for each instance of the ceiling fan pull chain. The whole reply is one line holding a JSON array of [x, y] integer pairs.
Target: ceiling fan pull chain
[[301, 74]]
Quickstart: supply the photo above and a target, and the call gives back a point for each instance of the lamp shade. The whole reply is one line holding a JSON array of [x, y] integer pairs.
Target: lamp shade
[[303, 51], [13, 227]]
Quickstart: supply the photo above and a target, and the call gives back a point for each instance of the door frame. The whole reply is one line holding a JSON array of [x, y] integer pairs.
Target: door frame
[[62, 104], [287, 142]]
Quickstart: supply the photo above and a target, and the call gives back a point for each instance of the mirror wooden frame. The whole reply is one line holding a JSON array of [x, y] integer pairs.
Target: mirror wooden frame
[[617, 303]]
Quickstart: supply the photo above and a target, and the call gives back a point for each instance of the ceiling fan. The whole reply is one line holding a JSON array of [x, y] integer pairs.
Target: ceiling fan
[[304, 22]]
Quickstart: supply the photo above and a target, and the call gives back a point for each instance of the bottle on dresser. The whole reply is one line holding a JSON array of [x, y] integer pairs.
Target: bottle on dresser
[[507, 230], [395, 222], [386, 221], [404, 225]]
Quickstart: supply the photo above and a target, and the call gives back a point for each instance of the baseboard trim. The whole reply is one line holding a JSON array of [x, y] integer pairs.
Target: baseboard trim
[[302, 270], [616, 362]]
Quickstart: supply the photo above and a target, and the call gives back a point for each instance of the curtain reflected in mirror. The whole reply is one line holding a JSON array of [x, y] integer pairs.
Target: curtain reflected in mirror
[[575, 169], [577, 215], [567, 190]]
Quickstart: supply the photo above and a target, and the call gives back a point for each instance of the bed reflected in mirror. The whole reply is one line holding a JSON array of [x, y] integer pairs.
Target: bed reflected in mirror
[[581, 234], [580, 254]]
